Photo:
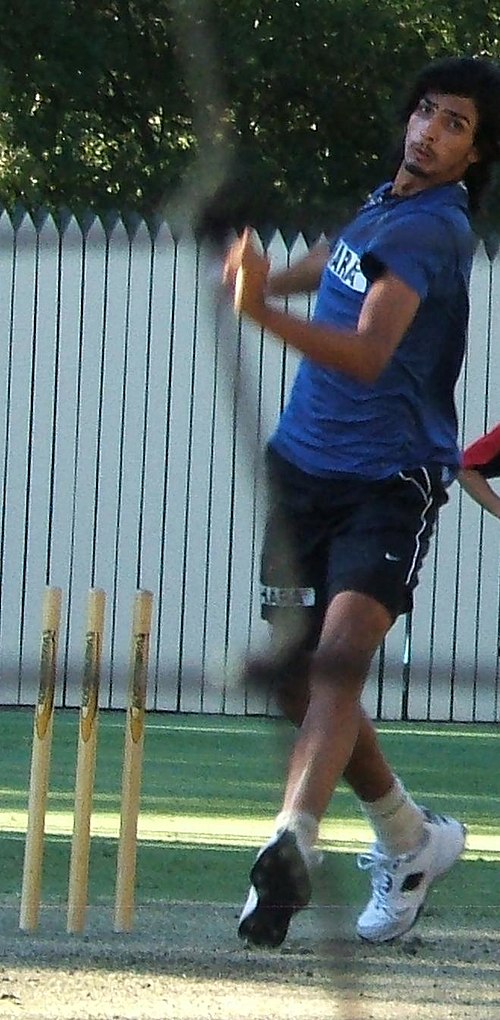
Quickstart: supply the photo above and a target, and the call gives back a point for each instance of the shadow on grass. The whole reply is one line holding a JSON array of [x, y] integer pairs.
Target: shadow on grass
[[227, 767], [183, 871]]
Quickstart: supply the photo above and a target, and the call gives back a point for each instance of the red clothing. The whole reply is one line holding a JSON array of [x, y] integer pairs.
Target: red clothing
[[483, 454]]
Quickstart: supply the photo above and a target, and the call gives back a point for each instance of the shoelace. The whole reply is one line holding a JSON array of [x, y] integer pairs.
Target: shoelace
[[380, 865]]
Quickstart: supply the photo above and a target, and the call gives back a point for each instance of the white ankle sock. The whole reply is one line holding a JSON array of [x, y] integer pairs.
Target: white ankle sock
[[397, 821], [304, 825]]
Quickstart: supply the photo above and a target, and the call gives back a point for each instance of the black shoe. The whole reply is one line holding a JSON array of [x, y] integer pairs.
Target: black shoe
[[280, 887]]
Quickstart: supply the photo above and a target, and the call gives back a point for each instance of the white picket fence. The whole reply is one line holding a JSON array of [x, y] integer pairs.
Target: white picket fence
[[135, 409]]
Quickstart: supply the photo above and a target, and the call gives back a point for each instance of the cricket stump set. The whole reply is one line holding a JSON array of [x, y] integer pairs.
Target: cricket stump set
[[85, 763]]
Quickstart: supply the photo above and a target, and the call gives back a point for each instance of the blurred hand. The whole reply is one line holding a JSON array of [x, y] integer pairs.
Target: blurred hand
[[246, 271]]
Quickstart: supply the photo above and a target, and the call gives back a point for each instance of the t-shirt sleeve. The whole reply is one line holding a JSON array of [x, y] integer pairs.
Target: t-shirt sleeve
[[483, 454], [415, 247]]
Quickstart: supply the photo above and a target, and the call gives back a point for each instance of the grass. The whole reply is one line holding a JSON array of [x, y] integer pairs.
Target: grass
[[210, 788]]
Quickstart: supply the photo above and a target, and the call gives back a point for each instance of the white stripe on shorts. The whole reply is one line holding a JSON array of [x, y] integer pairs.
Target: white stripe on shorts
[[427, 497]]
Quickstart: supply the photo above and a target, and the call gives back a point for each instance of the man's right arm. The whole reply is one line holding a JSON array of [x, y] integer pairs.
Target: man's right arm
[[303, 276], [363, 352]]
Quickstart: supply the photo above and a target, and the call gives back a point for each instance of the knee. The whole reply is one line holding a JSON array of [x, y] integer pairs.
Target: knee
[[341, 663], [278, 673], [283, 678]]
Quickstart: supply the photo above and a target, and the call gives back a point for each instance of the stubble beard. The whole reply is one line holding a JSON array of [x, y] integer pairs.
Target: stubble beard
[[415, 170]]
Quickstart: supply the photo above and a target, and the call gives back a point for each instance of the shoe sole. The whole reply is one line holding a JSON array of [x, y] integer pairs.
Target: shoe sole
[[436, 878], [404, 931], [281, 881]]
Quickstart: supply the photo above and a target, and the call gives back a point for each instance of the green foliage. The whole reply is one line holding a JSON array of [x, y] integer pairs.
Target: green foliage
[[286, 108], [95, 110]]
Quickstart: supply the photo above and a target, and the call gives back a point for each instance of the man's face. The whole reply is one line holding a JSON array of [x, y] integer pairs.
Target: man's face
[[439, 144]]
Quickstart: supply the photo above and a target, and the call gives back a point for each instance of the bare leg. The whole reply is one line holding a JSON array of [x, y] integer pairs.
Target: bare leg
[[336, 738], [354, 627], [368, 773]]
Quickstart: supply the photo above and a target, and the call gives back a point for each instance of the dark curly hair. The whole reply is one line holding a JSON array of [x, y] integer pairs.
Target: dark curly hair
[[476, 78]]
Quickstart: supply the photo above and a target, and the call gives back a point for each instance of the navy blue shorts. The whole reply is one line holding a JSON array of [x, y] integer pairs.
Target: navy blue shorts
[[324, 536]]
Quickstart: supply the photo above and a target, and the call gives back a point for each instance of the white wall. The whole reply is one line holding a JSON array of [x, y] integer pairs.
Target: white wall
[[134, 410]]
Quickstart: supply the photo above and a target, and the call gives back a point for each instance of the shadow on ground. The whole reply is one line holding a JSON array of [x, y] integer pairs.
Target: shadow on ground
[[184, 962]]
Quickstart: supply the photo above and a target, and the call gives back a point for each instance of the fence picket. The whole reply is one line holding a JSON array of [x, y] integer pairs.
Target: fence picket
[[135, 411]]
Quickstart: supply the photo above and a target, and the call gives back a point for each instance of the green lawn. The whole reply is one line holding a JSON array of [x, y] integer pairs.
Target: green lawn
[[210, 789]]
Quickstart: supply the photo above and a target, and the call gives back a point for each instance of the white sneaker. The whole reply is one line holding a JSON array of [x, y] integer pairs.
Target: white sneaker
[[280, 887], [400, 884]]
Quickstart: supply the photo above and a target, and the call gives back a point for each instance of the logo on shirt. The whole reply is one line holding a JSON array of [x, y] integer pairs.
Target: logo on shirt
[[344, 263]]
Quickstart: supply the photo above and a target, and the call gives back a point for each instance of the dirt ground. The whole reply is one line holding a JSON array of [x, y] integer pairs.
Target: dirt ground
[[184, 962]]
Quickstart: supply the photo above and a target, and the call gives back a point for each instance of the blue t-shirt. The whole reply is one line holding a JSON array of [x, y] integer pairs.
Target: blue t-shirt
[[334, 425]]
